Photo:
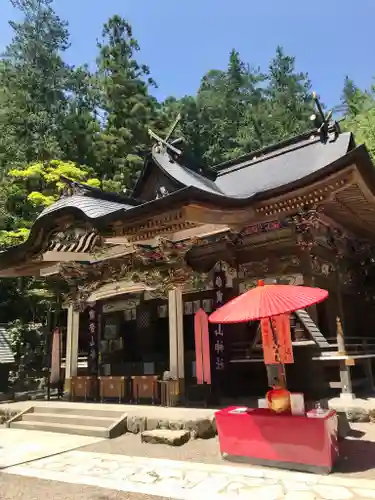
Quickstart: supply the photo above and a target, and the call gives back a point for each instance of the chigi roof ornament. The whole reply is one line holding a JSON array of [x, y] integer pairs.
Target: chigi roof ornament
[[328, 129], [71, 187], [166, 144]]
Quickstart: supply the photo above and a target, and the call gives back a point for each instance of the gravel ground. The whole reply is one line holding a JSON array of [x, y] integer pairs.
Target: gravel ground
[[357, 453], [24, 488]]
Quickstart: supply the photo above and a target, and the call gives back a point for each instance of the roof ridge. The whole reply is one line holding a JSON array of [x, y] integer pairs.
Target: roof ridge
[[267, 149], [254, 160], [80, 189]]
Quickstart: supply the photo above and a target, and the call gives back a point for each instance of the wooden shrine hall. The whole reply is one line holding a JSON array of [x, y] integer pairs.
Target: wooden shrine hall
[[137, 268]]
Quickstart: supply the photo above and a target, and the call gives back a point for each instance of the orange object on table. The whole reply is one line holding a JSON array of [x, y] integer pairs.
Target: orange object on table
[[278, 400]]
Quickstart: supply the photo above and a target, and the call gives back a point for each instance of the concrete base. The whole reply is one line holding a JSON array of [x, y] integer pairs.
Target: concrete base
[[347, 396]]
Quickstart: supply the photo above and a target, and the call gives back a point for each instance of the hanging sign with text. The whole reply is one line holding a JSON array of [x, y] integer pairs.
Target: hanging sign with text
[[92, 358], [219, 351]]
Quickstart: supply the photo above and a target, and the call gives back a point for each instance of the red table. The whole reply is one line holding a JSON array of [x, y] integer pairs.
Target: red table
[[263, 437]]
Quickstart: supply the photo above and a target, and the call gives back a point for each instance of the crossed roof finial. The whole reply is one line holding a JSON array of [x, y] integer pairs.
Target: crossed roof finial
[[164, 143]]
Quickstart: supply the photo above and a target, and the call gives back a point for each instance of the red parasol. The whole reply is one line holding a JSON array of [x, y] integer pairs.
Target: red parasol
[[266, 301]]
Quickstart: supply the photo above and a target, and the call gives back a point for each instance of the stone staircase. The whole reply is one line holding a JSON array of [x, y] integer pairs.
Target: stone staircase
[[85, 422]]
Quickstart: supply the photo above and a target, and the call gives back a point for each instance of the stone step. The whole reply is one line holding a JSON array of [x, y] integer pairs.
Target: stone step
[[82, 430], [66, 418], [65, 410]]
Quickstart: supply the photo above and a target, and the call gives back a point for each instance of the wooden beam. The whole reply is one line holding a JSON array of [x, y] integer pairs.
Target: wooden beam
[[56, 256], [222, 216], [195, 232]]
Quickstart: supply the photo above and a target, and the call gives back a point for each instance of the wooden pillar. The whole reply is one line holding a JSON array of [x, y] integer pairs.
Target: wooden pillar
[[176, 337], [71, 357]]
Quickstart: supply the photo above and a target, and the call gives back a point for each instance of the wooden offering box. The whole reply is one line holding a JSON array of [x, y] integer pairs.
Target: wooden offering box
[[113, 388], [84, 388], [145, 387]]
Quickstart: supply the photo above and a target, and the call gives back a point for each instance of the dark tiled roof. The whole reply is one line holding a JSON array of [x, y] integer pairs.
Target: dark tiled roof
[[241, 179], [91, 207], [184, 175], [265, 170], [6, 354], [281, 167]]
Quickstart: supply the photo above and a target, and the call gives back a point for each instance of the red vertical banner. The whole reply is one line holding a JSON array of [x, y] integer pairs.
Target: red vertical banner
[[279, 350], [284, 338], [268, 343], [56, 357], [202, 347]]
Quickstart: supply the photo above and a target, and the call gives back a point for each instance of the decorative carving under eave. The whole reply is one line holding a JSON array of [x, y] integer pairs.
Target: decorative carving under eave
[[280, 265], [161, 267], [306, 223], [163, 251], [321, 267]]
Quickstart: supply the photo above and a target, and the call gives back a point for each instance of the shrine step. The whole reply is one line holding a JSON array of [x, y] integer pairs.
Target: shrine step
[[65, 410], [82, 430], [58, 418], [68, 420]]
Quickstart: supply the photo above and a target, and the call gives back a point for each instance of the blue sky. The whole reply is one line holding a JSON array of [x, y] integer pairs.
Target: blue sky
[[181, 40]]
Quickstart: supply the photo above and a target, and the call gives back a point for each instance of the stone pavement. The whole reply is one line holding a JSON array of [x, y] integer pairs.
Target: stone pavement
[[18, 446], [189, 480]]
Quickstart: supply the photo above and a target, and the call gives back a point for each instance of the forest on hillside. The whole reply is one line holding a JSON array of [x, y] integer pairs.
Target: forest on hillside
[[92, 125]]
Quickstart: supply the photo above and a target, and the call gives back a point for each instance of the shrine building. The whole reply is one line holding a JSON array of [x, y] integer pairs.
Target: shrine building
[[137, 268]]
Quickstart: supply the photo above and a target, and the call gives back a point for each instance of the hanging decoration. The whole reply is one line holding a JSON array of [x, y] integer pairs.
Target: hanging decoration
[[202, 347], [92, 358], [270, 352], [55, 376], [277, 349], [284, 338], [219, 352]]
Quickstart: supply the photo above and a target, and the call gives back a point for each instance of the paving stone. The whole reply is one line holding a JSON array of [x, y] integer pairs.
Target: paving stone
[[273, 492], [166, 436], [333, 492], [152, 423], [200, 428], [176, 425], [136, 424], [296, 486], [362, 493], [301, 495], [358, 415]]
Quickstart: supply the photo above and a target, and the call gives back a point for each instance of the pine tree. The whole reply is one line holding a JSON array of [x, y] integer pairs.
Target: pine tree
[[33, 82], [353, 99], [289, 98], [127, 107]]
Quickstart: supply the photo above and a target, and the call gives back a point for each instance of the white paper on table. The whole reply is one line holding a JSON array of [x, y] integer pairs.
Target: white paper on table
[[262, 403], [297, 403]]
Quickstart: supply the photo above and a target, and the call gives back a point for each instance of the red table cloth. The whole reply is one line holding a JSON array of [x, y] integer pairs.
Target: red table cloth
[[262, 437]]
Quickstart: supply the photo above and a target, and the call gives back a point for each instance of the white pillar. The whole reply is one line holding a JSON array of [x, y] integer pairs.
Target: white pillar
[[176, 334], [71, 358]]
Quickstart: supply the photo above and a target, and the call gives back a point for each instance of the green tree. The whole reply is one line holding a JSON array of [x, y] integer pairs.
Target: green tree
[[33, 80], [229, 102], [353, 99], [126, 105], [289, 98], [30, 189]]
